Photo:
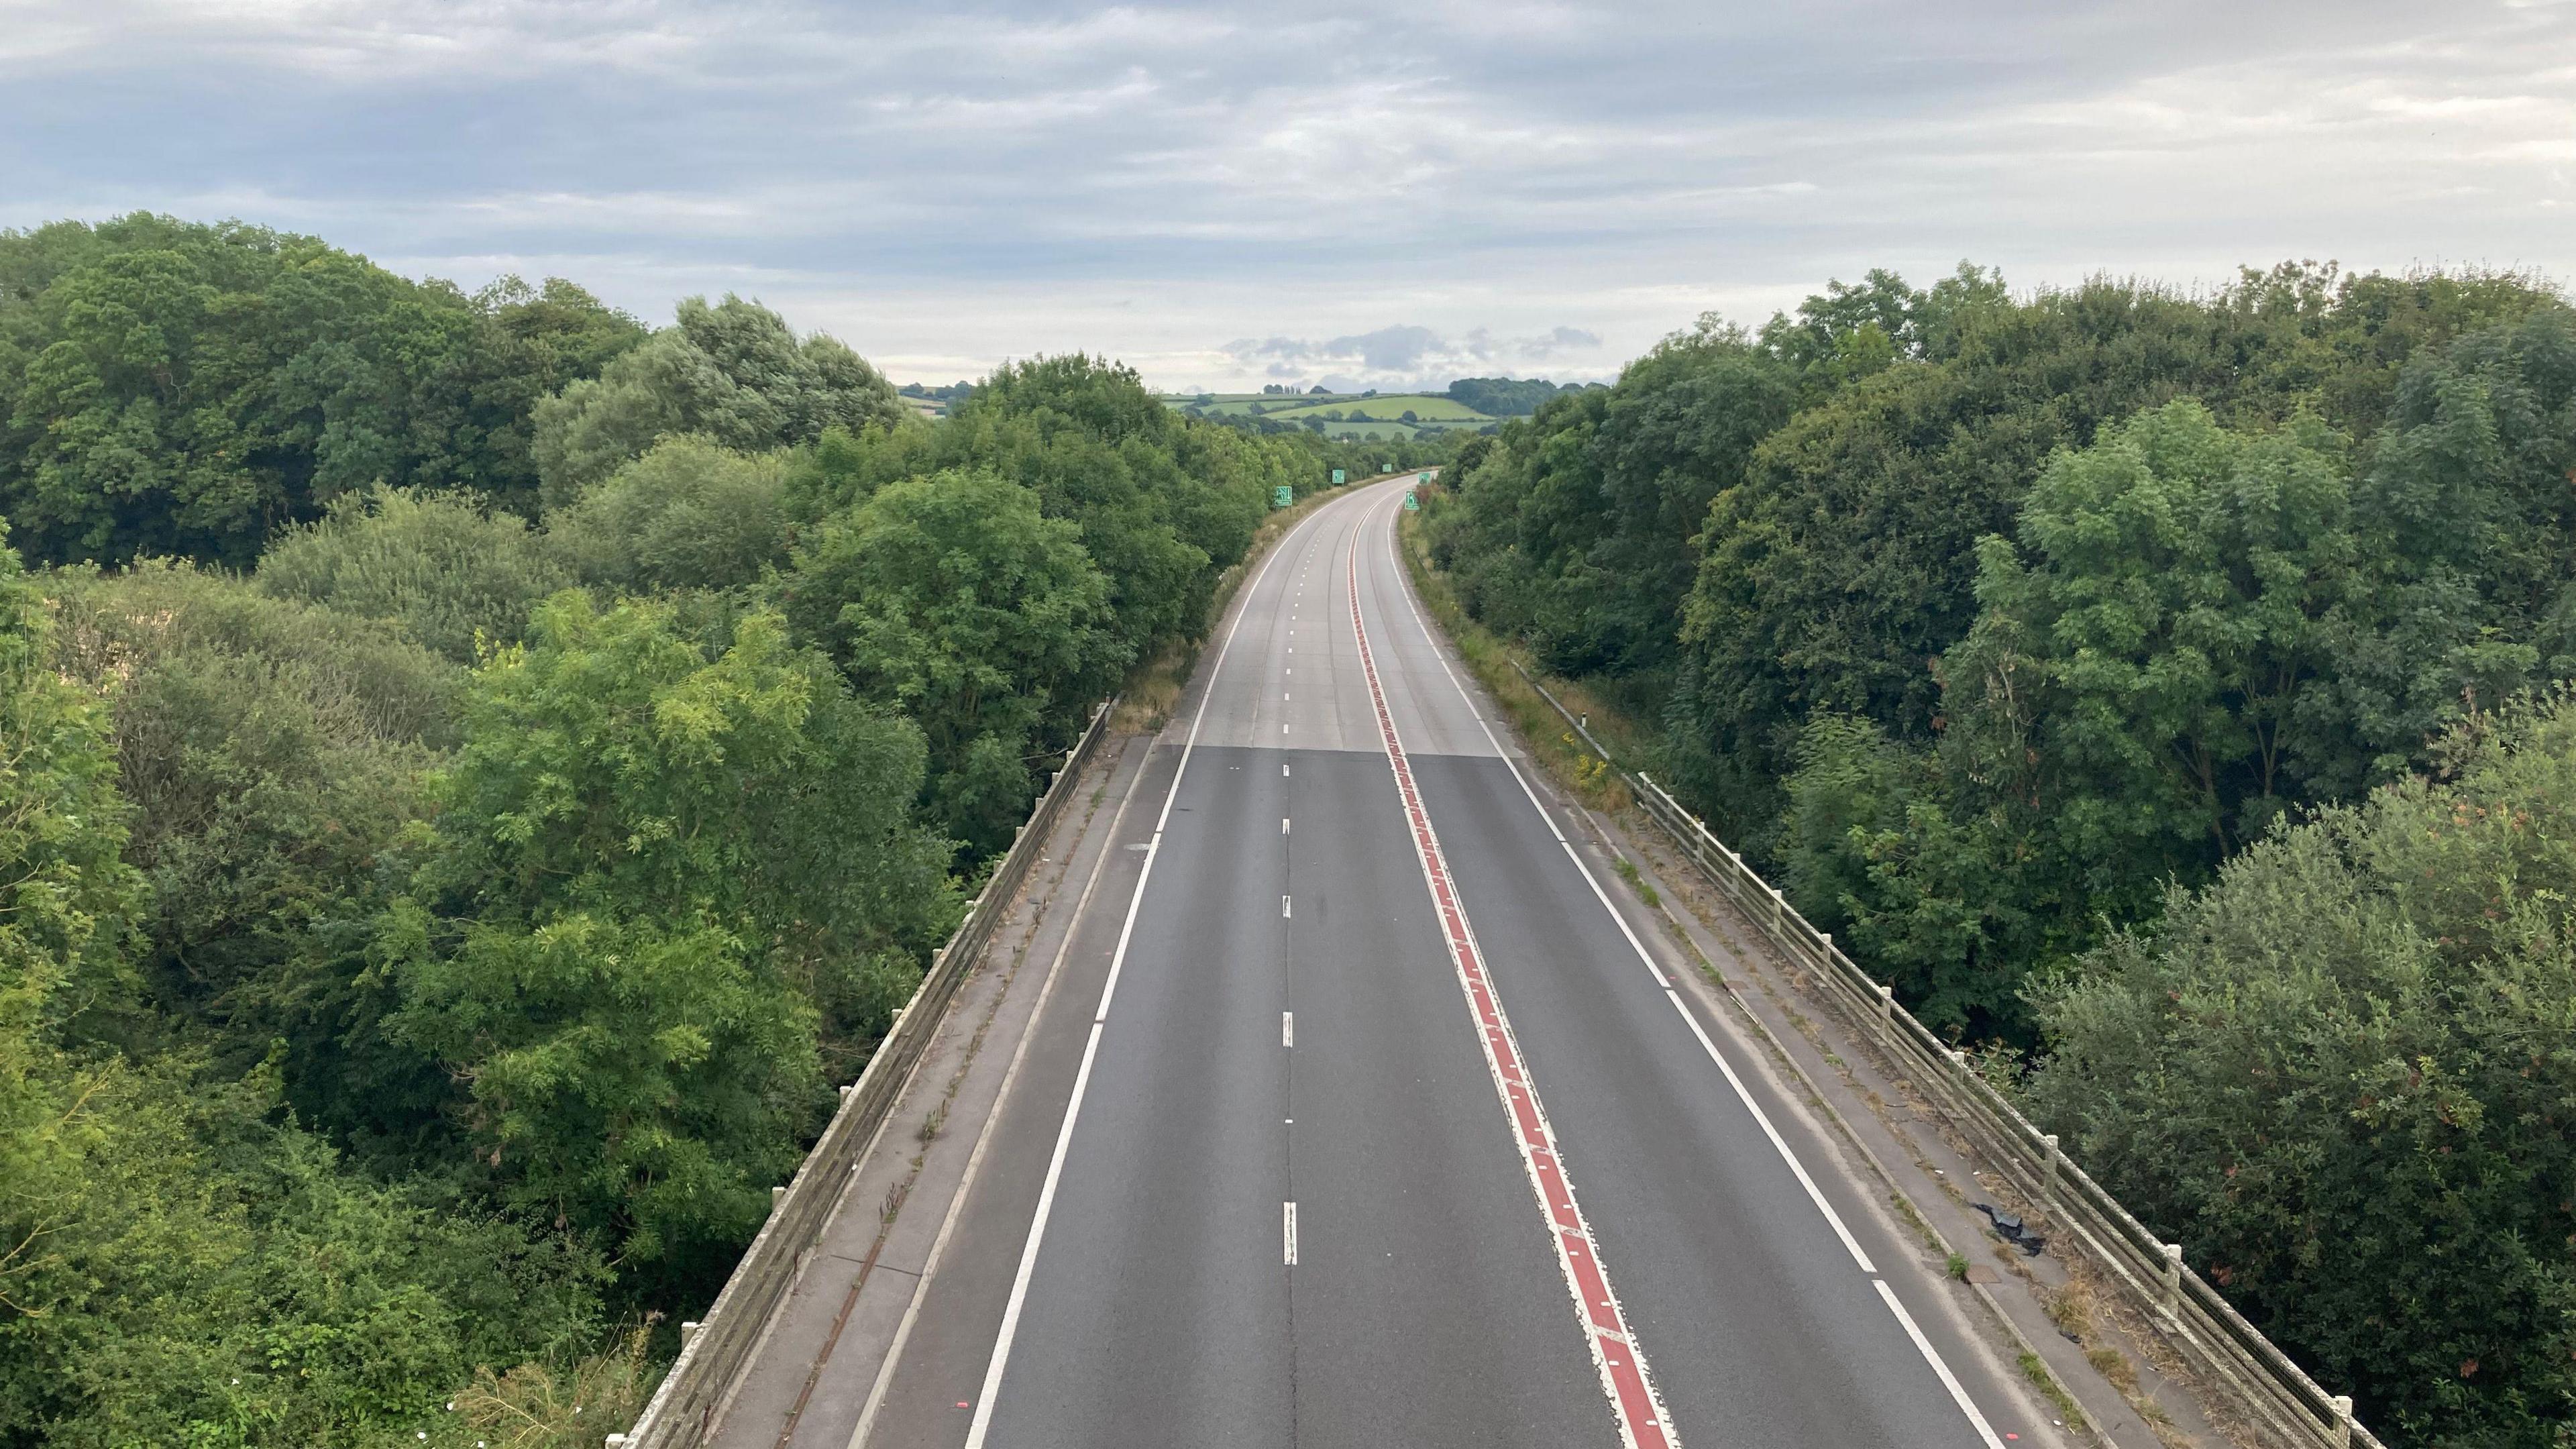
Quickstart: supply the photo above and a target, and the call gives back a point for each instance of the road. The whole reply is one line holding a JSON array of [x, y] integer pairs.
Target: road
[[1372, 1110]]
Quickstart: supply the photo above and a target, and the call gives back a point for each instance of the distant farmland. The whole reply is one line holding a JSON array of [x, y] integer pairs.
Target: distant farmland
[[1342, 415]]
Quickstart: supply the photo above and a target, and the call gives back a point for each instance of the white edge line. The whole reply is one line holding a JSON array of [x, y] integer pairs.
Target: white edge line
[[984, 1138], [1923, 1345], [1780, 1144], [1949, 1380], [985, 1397]]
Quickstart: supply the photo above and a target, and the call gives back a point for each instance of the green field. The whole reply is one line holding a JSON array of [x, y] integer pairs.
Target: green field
[[1363, 417]]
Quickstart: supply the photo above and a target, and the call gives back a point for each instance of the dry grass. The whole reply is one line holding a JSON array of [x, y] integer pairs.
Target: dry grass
[[535, 1407]]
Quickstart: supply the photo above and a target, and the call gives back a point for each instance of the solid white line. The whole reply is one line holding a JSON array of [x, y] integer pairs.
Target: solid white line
[[1949, 1380], [1779, 1143], [1288, 1236], [1932, 1356], [1011, 1311], [984, 1136]]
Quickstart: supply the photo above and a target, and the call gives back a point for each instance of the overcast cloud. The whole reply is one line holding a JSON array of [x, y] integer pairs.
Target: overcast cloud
[[1227, 195]]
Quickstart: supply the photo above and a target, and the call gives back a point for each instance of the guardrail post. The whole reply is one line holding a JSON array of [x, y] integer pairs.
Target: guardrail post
[[688, 1330], [2056, 1164], [1886, 1005], [1779, 912], [2172, 1306], [775, 1194], [2343, 1421]]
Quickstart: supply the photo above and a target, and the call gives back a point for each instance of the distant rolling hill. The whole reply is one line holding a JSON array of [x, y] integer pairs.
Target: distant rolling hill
[[1341, 415]]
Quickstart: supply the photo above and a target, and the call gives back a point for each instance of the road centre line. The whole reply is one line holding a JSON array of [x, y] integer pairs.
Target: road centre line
[[1018, 1302], [1815, 1195], [1621, 1366]]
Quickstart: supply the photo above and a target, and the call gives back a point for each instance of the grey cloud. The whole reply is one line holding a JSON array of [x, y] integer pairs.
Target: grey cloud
[[953, 183], [1408, 354]]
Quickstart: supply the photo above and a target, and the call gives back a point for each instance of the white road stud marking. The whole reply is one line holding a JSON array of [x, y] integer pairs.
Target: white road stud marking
[[1283, 824], [1283, 906], [1288, 1028]]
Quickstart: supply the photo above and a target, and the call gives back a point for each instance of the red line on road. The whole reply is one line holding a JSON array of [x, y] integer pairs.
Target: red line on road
[[1624, 1377]]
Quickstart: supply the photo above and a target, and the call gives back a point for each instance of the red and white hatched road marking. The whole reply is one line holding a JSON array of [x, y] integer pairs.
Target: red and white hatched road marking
[[1622, 1366]]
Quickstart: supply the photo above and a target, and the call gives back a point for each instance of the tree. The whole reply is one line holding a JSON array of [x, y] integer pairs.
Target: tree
[[452, 573], [2341, 1076], [661, 883], [732, 372], [167, 388], [1502, 397], [274, 754], [955, 599], [686, 515]]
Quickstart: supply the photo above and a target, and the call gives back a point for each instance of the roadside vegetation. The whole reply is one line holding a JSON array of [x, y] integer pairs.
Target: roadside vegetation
[[475, 773], [2169, 692]]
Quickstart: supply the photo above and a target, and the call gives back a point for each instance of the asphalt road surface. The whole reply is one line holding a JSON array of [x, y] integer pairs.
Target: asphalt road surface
[[1371, 1110]]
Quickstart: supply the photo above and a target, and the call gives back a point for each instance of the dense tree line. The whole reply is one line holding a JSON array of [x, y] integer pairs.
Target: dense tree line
[[477, 773], [2040, 646], [1507, 397]]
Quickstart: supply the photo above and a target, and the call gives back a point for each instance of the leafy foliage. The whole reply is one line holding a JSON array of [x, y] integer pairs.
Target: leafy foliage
[[658, 877], [2342, 1075], [420, 956], [686, 515], [953, 598], [454, 575], [168, 388], [732, 372], [1504, 397], [2011, 626]]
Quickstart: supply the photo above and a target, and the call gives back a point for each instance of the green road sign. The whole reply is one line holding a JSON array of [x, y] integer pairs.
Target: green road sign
[[1282, 496], [1422, 477], [1337, 477], [1411, 503]]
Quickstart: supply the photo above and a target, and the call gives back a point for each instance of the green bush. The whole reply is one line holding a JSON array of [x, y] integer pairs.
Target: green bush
[[456, 577]]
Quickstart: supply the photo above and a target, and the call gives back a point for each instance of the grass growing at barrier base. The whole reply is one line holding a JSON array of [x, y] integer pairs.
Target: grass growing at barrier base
[[1490, 657]]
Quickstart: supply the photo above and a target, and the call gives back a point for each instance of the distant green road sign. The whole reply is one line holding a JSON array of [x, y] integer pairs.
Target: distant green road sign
[[1282, 496], [1337, 477], [1411, 503]]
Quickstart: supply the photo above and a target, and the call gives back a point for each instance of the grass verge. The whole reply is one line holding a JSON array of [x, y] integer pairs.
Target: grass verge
[[1491, 657]]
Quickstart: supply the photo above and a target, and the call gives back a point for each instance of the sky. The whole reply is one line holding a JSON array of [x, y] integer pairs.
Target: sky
[[1387, 195]]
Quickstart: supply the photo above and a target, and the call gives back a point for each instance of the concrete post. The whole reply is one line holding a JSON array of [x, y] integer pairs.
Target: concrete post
[[688, 1330], [775, 1194], [2056, 1163], [2343, 1421], [2172, 1307], [1886, 1003]]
